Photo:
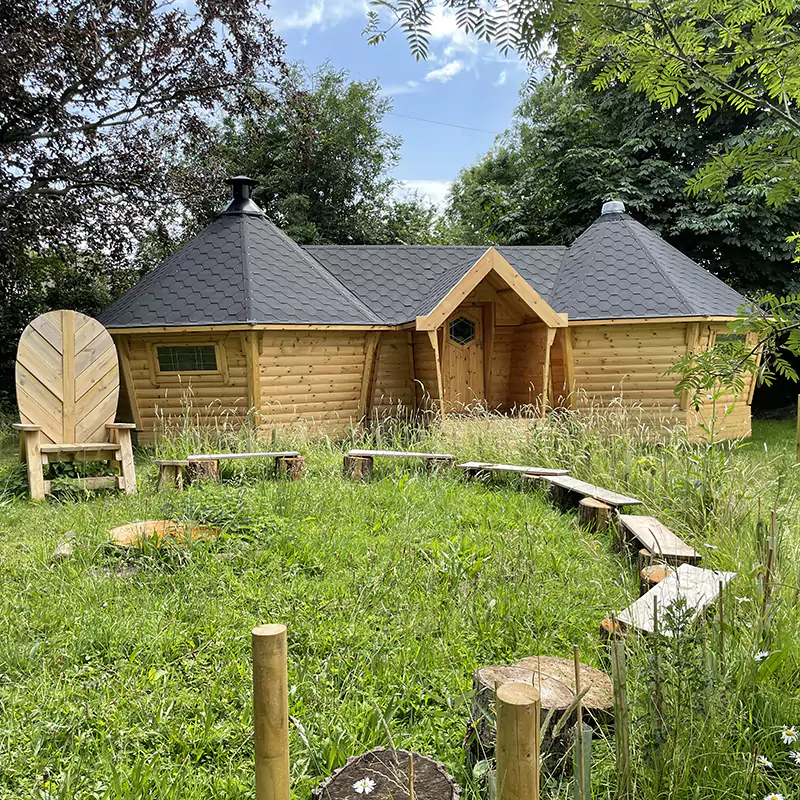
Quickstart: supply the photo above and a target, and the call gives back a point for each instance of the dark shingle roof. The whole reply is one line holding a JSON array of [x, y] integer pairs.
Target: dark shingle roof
[[618, 268], [402, 282], [241, 269], [244, 270]]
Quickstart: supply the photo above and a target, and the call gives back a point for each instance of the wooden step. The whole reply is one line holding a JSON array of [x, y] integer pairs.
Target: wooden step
[[481, 466], [587, 490], [659, 540], [399, 454]]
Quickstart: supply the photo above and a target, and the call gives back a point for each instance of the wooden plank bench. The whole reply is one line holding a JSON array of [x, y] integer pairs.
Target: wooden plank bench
[[657, 539], [565, 490], [699, 588], [358, 463], [205, 466], [477, 469]]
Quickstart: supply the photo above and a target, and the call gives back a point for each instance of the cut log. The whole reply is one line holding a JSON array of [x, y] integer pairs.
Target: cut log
[[160, 532], [384, 774], [562, 497], [652, 575], [202, 471], [608, 630], [594, 515], [359, 468], [170, 475], [598, 702], [290, 468], [555, 696], [438, 464]]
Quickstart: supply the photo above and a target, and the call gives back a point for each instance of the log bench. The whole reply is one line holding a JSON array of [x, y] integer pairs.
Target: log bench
[[698, 587], [358, 463], [566, 491], [205, 467], [481, 469], [659, 541]]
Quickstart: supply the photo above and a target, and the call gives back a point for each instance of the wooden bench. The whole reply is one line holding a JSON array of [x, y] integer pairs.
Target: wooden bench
[[203, 467], [565, 491], [698, 587], [660, 542], [477, 469], [358, 463]]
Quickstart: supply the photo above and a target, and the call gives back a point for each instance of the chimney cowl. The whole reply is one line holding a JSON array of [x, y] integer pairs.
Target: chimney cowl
[[613, 207], [242, 201]]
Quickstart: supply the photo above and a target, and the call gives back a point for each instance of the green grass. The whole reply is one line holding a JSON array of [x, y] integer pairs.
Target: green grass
[[127, 674]]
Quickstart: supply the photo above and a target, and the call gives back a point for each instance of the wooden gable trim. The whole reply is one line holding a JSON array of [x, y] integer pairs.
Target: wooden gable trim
[[491, 261], [647, 320], [124, 351]]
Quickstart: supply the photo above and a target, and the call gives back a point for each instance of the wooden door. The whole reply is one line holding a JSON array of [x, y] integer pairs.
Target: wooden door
[[67, 377], [462, 365]]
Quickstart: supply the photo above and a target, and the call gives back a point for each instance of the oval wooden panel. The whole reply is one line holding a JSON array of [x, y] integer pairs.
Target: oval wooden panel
[[67, 377]]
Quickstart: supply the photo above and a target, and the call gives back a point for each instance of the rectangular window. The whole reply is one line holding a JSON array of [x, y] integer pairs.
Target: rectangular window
[[201, 358]]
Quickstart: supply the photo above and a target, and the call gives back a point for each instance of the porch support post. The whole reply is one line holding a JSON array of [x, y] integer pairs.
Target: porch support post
[[434, 337], [551, 335]]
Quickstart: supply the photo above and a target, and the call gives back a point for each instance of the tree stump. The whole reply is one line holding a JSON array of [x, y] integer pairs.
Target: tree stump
[[170, 475], [389, 775], [359, 468], [562, 498], [291, 468], [609, 630], [202, 471], [652, 575], [555, 696], [598, 702], [594, 515]]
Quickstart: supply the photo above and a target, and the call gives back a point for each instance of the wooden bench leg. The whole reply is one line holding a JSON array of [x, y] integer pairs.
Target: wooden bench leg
[[594, 515], [31, 448], [291, 468], [359, 468], [561, 497], [170, 476], [202, 471], [126, 465]]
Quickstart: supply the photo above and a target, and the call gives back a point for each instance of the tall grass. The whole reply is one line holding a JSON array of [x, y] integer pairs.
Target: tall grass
[[125, 675]]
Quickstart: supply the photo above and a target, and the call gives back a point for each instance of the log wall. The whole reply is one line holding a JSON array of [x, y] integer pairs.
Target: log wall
[[393, 390]]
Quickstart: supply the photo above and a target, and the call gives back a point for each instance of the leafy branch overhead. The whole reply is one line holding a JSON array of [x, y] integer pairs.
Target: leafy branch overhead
[[709, 54], [760, 344]]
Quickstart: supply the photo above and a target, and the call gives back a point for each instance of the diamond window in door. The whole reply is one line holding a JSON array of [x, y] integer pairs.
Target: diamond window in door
[[462, 330]]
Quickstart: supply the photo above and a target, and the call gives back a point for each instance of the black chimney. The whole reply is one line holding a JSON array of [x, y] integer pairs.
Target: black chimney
[[242, 203]]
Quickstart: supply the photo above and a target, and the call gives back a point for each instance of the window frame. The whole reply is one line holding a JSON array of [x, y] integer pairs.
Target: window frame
[[159, 376], [458, 318]]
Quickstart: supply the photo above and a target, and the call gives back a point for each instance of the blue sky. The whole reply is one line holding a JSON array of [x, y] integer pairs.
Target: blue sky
[[463, 83]]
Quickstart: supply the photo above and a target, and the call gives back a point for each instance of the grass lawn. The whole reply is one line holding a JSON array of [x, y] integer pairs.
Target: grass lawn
[[127, 674]]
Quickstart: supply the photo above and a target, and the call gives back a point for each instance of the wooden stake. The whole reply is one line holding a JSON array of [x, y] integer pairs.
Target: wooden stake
[[581, 776], [271, 712], [518, 742], [621, 724], [797, 450], [410, 776]]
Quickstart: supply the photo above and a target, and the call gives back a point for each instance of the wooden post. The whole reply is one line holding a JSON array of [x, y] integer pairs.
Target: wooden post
[[580, 776], [271, 712], [797, 450], [518, 742], [30, 438]]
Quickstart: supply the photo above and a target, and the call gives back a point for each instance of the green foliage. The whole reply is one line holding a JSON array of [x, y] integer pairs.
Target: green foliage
[[571, 148], [126, 673], [323, 164], [710, 55]]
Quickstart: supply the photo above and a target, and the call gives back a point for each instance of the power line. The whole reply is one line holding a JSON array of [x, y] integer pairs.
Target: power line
[[445, 124]]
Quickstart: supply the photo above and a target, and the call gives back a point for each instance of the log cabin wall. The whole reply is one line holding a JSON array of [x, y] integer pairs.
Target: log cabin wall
[[157, 398], [530, 377], [311, 375], [393, 391]]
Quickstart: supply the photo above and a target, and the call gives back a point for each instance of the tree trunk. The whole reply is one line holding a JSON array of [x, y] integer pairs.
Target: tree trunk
[[290, 468]]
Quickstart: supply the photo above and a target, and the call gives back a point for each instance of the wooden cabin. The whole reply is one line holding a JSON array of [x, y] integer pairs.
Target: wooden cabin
[[243, 318]]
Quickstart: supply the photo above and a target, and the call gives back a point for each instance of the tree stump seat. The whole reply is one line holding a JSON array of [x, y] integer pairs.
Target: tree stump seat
[[205, 466], [170, 474]]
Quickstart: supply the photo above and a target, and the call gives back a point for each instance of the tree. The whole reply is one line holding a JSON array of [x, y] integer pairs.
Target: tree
[[726, 54], [323, 165], [96, 100], [571, 148]]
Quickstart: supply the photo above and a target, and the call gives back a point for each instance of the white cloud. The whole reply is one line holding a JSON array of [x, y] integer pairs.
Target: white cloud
[[393, 89], [501, 78], [435, 192], [447, 72], [306, 14]]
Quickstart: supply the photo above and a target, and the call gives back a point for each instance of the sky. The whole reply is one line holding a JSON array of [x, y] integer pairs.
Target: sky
[[448, 109]]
